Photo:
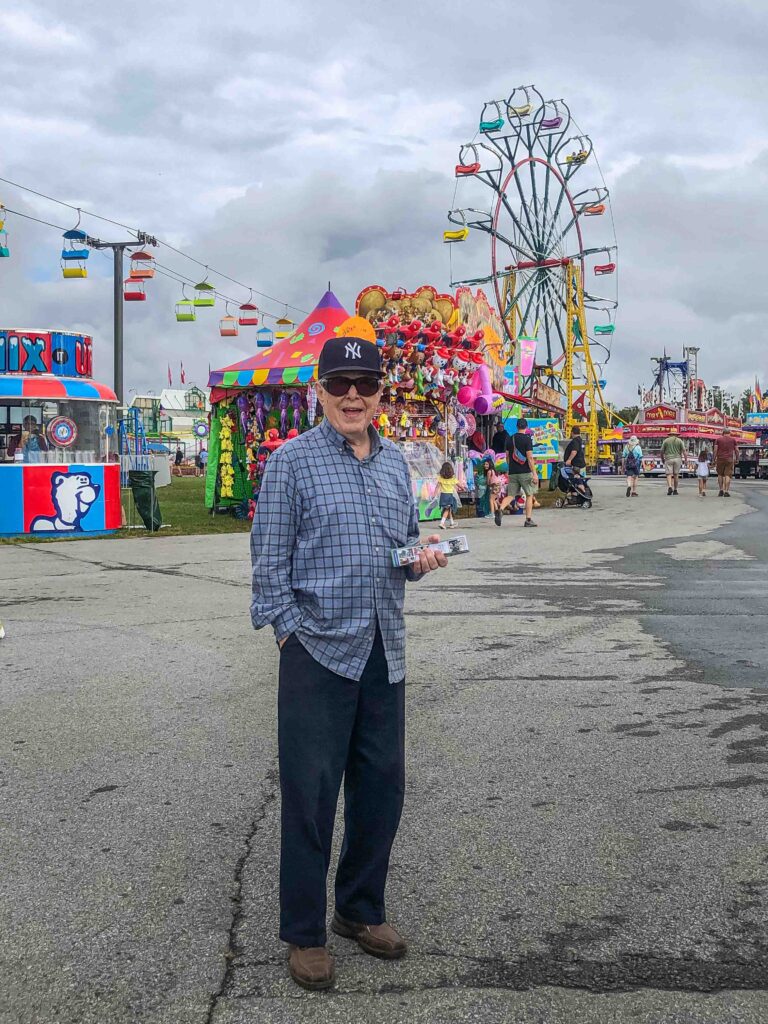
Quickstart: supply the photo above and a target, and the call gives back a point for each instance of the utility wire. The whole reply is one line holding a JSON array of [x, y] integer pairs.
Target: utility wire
[[135, 231]]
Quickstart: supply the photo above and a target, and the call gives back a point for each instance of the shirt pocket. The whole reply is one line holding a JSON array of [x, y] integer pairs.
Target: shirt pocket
[[394, 499]]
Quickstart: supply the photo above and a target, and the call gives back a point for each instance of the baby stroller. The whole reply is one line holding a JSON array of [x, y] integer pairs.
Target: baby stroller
[[575, 488]]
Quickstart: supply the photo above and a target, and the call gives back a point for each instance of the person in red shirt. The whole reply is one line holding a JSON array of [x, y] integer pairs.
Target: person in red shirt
[[726, 448]]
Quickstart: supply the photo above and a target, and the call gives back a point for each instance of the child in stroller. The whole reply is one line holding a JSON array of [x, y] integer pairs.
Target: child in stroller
[[575, 488]]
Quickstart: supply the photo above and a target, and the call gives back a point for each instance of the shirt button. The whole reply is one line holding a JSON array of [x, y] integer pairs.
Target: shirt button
[[373, 519]]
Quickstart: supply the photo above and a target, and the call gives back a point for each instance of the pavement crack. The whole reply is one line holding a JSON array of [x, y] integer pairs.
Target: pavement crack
[[233, 951]]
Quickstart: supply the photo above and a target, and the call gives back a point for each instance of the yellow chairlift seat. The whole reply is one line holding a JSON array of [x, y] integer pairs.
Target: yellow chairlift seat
[[283, 328], [456, 236], [72, 272], [185, 311], [523, 111]]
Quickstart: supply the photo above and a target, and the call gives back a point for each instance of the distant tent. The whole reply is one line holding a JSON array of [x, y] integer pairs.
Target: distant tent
[[290, 361]]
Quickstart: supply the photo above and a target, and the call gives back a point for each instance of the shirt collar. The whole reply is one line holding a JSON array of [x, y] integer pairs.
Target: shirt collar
[[338, 440]]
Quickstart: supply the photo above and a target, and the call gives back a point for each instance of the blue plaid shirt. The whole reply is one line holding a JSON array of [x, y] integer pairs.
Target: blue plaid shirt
[[324, 527]]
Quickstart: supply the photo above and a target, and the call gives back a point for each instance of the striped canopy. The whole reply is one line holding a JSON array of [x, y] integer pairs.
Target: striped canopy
[[46, 386], [292, 360]]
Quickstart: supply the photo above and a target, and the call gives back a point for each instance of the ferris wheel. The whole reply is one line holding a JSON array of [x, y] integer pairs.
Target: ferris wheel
[[529, 181]]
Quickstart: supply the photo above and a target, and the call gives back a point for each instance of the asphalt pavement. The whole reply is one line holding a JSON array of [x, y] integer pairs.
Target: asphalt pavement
[[584, 837]]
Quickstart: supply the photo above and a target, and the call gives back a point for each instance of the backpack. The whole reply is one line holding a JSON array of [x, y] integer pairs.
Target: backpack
[[632, 463]]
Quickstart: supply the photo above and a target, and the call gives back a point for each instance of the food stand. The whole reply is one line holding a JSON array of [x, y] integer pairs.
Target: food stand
[[59, 460]]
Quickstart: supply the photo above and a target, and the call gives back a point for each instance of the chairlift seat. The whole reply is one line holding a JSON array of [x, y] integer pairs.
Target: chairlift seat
[[248, 315], [467, 169], [228, 327], [577, 158], [604, 328], [597, 210], [185, 311], [456, 236], [71, 272], [204, 300], [604, 268], [492, 126], [550, 123], [523, 111], [264, 338], [4, 251]]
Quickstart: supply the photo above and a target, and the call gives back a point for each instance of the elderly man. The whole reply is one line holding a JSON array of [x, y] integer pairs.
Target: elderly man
[[726, 450], [334, 503]]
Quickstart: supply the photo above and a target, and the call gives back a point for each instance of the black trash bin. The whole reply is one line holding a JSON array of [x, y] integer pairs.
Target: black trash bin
[[142, 484]]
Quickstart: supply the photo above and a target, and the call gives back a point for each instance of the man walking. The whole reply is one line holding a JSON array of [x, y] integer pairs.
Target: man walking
[[522, 475], [672, 452], [726, 449], [333, 504]]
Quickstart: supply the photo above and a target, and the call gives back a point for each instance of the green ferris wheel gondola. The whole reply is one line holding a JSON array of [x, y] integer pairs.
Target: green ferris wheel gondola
[[604, 328]]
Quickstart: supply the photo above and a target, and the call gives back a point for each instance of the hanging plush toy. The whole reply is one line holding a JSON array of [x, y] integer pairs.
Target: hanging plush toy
[[261, 419], [440, 360], [296, 410], [242, 408], [283, 413]]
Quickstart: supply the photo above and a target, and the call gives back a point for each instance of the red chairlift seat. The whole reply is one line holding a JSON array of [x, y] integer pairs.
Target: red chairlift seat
[[605, 268], [248, 315], [597, 210], [133, 290], [228, 327], [465, 170]]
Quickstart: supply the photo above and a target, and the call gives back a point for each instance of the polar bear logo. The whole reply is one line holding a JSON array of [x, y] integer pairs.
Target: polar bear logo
[[72, 494]]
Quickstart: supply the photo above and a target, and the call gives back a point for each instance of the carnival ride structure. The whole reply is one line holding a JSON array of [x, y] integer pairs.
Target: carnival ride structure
[[518, 183]]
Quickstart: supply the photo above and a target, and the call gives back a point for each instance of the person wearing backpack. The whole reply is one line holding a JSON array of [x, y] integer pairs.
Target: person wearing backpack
[[632, 456]]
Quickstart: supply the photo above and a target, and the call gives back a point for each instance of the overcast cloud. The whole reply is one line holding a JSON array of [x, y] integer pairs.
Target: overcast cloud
[[293, 144]]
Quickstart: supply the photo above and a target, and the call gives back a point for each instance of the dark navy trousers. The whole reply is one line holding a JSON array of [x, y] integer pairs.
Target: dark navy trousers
[[331, 728]]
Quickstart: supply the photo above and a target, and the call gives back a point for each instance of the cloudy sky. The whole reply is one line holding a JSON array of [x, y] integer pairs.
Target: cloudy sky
[[292, 144]]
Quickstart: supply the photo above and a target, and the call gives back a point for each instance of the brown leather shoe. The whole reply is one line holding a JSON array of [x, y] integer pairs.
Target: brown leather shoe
[[311, 966], [377, 939]]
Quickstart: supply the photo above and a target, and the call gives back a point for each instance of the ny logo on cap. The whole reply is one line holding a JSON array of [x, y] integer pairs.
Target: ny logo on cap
[[352, 350]]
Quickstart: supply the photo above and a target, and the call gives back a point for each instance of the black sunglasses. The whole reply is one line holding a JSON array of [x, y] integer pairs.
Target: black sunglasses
[[366, 387]]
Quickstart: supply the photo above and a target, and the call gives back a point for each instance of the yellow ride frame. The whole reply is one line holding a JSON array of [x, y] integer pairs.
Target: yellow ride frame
[[577, 344]]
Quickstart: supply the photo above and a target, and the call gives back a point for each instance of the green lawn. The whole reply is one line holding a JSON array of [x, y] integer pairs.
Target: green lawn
[[183, 511]]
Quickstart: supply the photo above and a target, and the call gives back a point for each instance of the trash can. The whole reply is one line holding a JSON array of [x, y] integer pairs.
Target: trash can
[[142, 484]]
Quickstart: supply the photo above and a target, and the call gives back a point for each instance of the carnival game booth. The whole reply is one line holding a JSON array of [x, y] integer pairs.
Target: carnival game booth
[[59, 460], [698, 430], [260, 402]]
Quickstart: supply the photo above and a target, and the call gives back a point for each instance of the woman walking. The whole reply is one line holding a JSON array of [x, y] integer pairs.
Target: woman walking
[[632, 457]]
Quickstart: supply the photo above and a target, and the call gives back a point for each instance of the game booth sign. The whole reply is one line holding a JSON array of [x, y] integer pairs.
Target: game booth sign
[[59, 462]]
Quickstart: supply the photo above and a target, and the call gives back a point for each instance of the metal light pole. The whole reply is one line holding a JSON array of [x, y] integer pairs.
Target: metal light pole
[[118, 248]]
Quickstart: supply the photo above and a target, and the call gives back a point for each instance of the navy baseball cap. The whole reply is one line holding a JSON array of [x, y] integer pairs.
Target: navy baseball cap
[[349, 355]]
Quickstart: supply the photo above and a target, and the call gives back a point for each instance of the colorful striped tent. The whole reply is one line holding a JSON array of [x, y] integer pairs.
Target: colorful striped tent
[[291, 361]]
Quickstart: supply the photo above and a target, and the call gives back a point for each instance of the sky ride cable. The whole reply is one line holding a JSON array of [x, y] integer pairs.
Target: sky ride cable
[[167, 245]]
